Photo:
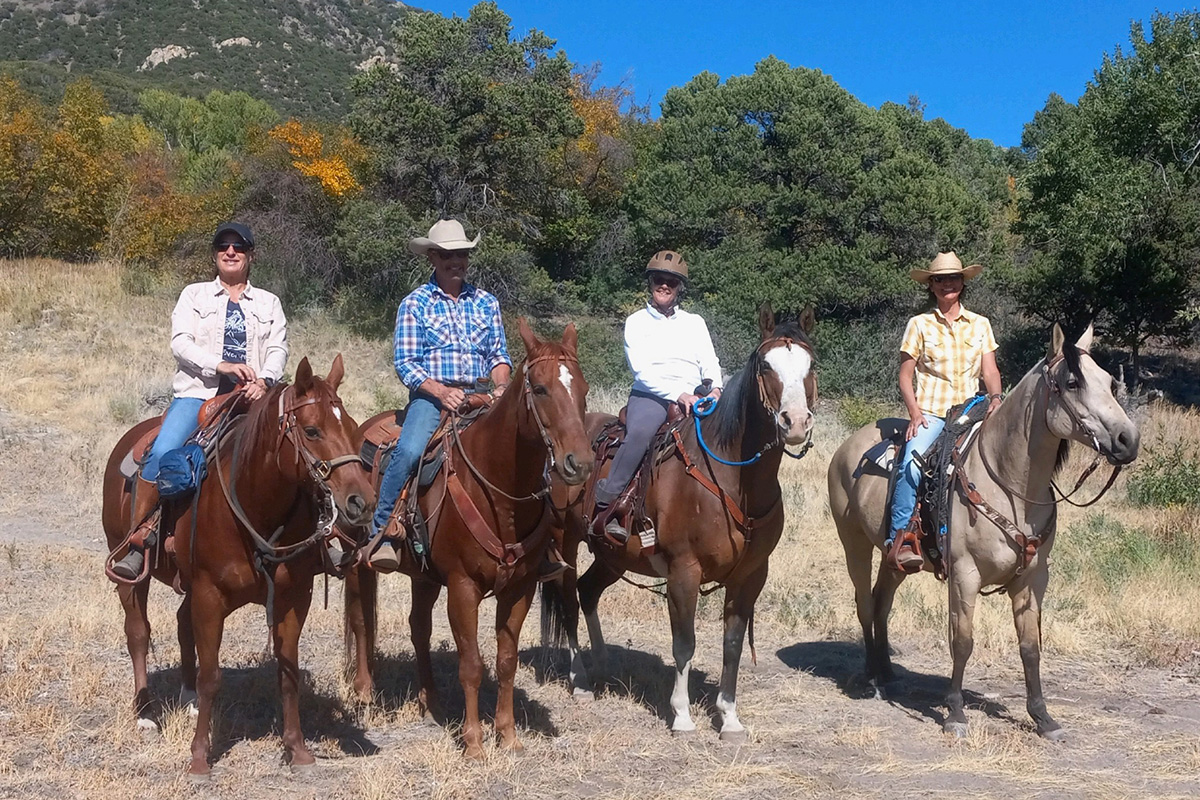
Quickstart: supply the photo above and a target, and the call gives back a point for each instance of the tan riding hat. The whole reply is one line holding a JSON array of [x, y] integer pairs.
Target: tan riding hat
[[668, 261], [946, 264], [446, 234]]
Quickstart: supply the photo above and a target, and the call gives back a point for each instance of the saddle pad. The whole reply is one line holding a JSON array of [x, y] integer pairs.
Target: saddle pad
[[137, 454]]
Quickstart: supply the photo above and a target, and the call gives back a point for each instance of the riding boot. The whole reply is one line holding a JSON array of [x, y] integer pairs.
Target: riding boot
[[606, 523], [904, 552], [145, 517], [552, 565]]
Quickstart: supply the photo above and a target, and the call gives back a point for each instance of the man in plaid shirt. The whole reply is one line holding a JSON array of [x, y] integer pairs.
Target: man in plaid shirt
[[448, 334]]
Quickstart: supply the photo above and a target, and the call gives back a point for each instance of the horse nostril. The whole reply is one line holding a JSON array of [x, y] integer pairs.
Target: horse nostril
[[571, 465], [356, 506], [786, 419]]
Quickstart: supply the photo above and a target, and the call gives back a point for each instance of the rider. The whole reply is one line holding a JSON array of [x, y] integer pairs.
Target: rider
[[670, 354], [948, 349], [448, 334], [224, 333]]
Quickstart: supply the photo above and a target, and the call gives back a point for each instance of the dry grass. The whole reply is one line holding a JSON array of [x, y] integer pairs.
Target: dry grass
[[84, 361]]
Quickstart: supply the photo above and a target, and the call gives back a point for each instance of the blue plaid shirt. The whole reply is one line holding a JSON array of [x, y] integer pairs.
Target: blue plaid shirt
[[452, 342]]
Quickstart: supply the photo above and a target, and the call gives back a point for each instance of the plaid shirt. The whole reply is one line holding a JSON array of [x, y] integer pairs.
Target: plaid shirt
[[451, 341], [949, 356]]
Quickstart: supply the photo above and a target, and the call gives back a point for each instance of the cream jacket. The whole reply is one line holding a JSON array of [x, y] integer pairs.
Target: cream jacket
[[198, 336]]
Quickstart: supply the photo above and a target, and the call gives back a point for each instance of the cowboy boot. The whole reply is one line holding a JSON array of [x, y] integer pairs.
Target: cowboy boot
[[606, 523], [145, 517], [552, 565], [904, 552]]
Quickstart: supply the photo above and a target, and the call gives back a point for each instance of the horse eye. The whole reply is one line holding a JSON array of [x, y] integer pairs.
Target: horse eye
[[766, 367], [540, 389], [312, 432], [1072, 383]]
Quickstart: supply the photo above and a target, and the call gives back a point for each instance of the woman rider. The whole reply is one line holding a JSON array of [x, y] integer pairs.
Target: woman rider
[[225, 333], [948, 349], [670, 353]]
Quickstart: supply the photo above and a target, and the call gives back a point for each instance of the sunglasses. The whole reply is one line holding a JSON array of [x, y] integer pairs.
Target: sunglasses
[[944, 278], [670, 281], [446, 255], [238, 247]]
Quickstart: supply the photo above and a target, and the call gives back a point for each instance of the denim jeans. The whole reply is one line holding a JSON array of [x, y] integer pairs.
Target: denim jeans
[[904, 499], [180, 422], [420, 421]]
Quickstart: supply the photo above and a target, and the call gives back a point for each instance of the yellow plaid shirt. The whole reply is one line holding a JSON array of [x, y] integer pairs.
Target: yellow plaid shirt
[[949, 356]]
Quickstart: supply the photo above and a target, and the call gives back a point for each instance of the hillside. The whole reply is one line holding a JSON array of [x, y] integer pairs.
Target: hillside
[[298, 55]]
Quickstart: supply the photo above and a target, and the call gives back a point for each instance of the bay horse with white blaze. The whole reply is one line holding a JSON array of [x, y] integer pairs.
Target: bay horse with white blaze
[[1003, 513], [715, 521], [254, 533], [488, 515]]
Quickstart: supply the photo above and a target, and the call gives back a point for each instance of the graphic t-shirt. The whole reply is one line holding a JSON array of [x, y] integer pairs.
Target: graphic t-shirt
[[234, 349]]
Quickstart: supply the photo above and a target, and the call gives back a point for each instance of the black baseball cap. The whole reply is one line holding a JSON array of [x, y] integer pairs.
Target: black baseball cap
[[234, 227]]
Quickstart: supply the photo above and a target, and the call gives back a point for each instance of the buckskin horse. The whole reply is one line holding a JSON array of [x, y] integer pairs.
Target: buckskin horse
[[1003, 514], [489, 517], [716, 521], [255, 533]]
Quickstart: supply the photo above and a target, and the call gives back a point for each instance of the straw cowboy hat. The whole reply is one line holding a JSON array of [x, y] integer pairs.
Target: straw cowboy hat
[[946, 264], [446, 234]]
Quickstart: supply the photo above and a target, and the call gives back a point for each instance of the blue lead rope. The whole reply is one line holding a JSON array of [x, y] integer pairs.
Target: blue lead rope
[[703, 408]]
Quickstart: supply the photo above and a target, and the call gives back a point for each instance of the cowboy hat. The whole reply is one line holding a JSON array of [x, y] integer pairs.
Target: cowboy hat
[[668, 261], [945, 264], [446, 234]]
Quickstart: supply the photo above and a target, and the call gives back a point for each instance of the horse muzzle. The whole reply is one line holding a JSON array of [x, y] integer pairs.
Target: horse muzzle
[[355, 511], [573, 471], [795, 429], [1123, 448]]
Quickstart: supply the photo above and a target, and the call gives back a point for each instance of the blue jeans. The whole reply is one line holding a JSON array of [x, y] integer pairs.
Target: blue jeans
[[180, 423], [420, 421], [904, 499]]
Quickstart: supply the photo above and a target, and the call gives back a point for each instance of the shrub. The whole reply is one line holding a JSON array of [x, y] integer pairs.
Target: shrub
[[1169, 475]]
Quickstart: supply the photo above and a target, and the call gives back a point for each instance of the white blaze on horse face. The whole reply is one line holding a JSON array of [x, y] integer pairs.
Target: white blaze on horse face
[[792, 364], [564, 375], [337, 413]]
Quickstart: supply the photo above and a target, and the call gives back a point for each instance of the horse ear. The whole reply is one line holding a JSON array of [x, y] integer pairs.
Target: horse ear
[[766, 320], [336, 373], [304, 376], [570, 338], [1056, 342], [808, 319], [1085, 341], [527, 335]]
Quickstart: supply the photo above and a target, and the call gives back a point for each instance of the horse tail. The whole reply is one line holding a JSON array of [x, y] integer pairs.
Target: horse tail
[[554, 630], [750, 636]]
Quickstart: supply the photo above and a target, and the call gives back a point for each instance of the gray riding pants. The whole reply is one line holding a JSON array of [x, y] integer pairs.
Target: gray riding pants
[[644, 415]]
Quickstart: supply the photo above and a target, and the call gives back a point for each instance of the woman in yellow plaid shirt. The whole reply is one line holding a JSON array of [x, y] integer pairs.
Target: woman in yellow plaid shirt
[[947, 350]]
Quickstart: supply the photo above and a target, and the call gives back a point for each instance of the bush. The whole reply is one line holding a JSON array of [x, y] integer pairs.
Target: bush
[[1169, 475], [1115, 552]]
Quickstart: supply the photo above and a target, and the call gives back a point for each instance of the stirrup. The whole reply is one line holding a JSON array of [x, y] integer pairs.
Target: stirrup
[[384, 558], [905, 553], [132, 566]]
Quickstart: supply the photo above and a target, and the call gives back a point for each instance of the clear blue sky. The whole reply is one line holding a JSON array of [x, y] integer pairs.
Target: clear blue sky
[[982, 66]]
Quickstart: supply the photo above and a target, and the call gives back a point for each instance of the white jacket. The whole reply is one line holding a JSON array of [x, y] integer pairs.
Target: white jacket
[[198, 336], [669, 356]]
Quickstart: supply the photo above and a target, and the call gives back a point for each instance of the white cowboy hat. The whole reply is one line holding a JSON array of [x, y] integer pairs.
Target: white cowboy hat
[[446, 234], [946, 264]]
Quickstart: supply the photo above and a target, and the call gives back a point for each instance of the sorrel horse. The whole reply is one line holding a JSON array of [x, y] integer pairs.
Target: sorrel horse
[[254, 534], [488, 533], [723, 534], [1002, 535]]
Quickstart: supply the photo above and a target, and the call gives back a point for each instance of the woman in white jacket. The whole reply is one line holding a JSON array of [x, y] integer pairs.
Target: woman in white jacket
[[670, 354], [225, 334]]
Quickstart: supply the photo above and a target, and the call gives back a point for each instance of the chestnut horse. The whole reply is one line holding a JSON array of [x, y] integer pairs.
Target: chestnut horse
[[504, 462], [254, 534], [703, 537], [1001, 533]]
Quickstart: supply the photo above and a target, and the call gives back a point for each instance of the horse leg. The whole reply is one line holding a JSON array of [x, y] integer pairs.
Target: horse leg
[[879, 661], [360, 627], [291, 610], [683, 589], [208, 623], [1027, 616], [420, 625], [859, 552], [739, 607], [510, 616], [137, 640], [593, 583], [463, 605], [187, 655], [581, 684], [964, 589]]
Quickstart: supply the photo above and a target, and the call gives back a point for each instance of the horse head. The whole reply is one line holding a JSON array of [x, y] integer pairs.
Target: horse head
[[787, 379], [324, 438], [555, 402], [1082, 403]]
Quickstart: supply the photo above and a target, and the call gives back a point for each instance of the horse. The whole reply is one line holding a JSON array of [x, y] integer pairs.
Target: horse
[[489, 520], [293, 458], [1003, 515], [717, 519]]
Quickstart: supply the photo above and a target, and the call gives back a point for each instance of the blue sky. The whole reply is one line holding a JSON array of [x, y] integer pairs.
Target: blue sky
[[982, 66]]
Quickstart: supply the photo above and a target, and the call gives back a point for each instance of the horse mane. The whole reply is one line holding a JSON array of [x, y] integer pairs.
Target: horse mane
[[260, 421], [726, 424]]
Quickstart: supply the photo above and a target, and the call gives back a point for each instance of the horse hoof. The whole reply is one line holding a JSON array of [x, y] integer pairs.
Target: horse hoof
[[147, 725], [303, 769], [197, 777], [474, 753], [1054, 735], [516, 749], [683, 734], [583, 696], [735, 737], [958, 729]]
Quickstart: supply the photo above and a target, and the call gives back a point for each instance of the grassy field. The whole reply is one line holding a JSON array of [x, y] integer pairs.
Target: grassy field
[[83, 361]]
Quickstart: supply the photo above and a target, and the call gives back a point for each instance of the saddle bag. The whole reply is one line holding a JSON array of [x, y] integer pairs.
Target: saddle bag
[[181, 471]]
